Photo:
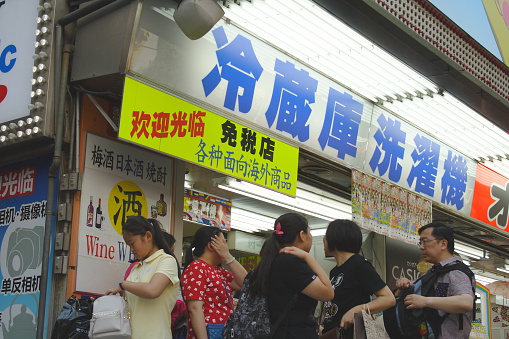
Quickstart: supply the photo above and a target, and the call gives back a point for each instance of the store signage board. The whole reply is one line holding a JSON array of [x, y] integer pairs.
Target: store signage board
[[173, 126], [240, 74], [119, 180], [17, 37], [402, 154], [491, 198], [207, 209], [23, 194]]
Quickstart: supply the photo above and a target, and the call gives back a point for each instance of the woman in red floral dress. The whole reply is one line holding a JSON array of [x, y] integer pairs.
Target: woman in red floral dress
[[207, 287]]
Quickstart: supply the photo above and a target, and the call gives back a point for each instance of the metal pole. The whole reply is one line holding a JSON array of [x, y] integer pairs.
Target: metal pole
[[59, 134]]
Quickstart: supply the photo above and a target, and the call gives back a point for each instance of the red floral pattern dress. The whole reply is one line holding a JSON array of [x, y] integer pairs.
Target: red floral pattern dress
[[210, 284]]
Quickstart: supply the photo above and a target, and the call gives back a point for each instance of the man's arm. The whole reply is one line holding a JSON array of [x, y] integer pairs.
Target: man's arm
[[454, 304]]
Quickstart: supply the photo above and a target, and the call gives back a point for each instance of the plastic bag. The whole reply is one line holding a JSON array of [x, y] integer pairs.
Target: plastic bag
[[73, 322]]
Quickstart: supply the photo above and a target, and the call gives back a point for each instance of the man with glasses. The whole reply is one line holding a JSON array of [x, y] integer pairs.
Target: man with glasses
[[454, 290]]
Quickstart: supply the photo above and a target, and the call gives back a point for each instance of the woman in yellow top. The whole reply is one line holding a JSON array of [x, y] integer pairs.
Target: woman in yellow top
[[152, 286]]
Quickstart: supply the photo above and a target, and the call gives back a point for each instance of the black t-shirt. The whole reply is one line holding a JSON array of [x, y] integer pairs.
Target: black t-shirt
[[288, 276], [353, 282]]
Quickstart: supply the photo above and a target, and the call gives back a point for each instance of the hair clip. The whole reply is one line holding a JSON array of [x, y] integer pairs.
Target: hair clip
[[277, 230]]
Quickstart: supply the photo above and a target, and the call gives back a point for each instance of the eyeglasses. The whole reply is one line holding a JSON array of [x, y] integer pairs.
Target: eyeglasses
[[424, 242]]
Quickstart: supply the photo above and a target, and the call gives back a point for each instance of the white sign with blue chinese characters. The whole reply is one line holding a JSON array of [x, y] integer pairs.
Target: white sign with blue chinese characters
[[17, 37], [408, 157], [233, 73]]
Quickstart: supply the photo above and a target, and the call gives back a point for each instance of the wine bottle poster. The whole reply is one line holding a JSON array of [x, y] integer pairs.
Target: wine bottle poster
[[119, 181]]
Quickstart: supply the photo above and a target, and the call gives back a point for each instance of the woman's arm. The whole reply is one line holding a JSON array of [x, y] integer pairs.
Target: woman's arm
[[195, 311], [238, 271], [320, 288], [150, 290], [384, 299]]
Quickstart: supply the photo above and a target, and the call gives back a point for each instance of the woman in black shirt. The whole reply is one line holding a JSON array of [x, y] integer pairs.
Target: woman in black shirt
[[287, 270], [354, 280]]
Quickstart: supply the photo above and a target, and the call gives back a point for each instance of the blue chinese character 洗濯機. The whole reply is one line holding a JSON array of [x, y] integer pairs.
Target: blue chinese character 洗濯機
[[388, 138], [500, 208], [294, 91], [424, 170], [454, 180], [341, 123], [237, 64]]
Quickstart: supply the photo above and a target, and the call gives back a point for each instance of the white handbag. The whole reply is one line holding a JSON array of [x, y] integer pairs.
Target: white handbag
[[110, 318]]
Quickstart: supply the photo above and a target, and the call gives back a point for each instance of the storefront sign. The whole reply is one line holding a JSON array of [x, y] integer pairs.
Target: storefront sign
[[23, 194], [242, 75], [119, 181], [173, 126], [207, 210], [408, 157], [17, 36], [491, 198], [388, 209], [236, 72]]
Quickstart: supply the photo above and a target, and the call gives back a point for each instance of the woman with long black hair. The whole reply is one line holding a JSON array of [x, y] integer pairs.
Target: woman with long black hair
[[288, 272]]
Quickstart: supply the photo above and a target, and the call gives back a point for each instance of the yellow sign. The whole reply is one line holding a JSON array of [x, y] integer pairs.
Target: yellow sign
[[498, 15], [173, 126]]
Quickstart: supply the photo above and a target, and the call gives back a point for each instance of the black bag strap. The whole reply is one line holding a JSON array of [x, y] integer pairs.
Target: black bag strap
[[286, 312]]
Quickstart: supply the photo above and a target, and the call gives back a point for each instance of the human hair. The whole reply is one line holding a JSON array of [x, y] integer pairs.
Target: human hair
[[441, 231], [202, 237], [138, 225], [170, 239], [343, 235], [290, 224]]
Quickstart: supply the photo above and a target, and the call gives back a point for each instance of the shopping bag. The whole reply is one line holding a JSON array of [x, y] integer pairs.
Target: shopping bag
[[367, 327], [215, 331], [73, 321]]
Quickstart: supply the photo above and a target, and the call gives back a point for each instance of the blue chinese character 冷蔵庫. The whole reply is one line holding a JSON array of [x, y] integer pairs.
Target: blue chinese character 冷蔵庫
[[237, 64], [341, 123], [294, 91], [388, 138], [454, 180], [424, 170]]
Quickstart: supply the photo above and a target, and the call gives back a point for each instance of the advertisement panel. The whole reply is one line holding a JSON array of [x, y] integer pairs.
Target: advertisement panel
[[207, 209], [23, 194], [402, 154], [403, 261], [491, 198], [119, 180], [387, 209], [173, 126], [18, 22]]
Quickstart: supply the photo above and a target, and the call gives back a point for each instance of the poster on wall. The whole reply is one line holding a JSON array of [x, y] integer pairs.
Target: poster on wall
[[387, 209], [119, 180], [207, 209], [23, 194], [403, 261]]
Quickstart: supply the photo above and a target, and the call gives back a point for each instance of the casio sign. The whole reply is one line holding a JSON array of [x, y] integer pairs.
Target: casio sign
[[7, 62]]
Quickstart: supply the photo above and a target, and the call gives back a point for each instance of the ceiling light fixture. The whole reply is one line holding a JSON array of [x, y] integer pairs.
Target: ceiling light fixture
[[305, 202]]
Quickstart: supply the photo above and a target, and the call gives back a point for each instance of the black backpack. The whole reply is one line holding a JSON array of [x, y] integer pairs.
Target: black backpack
[[403, 323]]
